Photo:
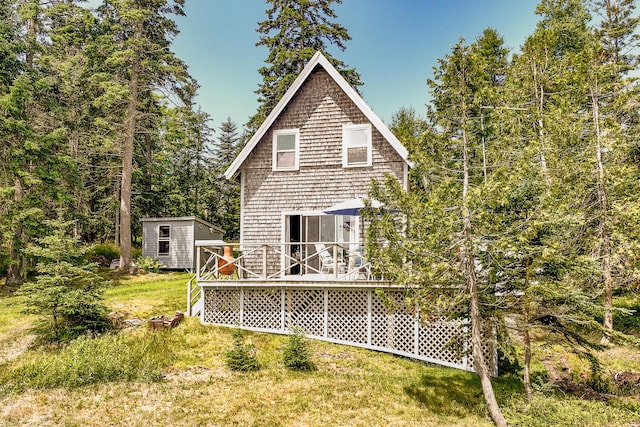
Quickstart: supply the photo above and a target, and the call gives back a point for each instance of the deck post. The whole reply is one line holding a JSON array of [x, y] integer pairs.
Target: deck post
[[189, 297], [198, 250], [283, 309], [335, 261], [416, 331], [264, 262], [325, 320], [369, 316]]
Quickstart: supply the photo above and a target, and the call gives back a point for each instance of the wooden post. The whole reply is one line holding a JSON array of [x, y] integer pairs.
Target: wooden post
[[264, 262], [335, 261], [198, 249], [189, 297]]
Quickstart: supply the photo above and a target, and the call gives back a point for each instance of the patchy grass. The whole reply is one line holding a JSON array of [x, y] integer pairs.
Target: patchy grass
[[15, 335], [90, 360], [97, 382], [147, 295]]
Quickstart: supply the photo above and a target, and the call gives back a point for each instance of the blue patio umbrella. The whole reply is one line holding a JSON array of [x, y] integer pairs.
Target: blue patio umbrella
[[351, 206]]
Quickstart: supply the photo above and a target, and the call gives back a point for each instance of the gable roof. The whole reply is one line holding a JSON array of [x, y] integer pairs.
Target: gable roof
[[317, 60]]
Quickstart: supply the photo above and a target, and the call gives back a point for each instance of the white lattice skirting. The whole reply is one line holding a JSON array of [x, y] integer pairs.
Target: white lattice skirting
[[358, 317]]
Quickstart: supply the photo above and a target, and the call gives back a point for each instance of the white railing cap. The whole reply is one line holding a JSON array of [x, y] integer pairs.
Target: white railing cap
[[219, 243]]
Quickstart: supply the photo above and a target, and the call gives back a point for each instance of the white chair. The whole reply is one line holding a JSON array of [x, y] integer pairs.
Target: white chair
[[358, 268], [327, 263]]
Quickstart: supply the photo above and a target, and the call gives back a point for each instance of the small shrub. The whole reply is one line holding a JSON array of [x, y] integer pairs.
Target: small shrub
[[627, 322], [241, 357], [136, 252], [148, 264], [296, 355], [106, 250]]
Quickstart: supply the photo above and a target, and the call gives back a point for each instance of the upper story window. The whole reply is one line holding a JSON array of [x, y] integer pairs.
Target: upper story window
[[286, 149], [164, 237], [356, 145]]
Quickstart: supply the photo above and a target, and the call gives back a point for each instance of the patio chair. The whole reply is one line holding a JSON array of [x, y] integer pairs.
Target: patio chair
[[327, 262], [358, 268]]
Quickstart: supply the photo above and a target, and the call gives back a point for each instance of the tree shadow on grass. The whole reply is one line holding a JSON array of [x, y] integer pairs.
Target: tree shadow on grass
[[7, 291], [458, 393], [444, 393]]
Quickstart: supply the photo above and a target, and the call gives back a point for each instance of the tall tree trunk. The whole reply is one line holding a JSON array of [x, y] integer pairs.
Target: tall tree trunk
[[526, 342], [127, 157], [540, 100], [14, 273], [605, 241], [469, 267]]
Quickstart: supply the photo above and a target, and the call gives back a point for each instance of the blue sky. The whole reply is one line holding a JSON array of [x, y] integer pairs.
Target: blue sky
[[395, 44]]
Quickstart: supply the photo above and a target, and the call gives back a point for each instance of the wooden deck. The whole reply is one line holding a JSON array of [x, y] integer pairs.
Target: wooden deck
[[345, 307]]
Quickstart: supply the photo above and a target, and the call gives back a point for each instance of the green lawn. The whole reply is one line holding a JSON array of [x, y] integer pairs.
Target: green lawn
[[352, 386]]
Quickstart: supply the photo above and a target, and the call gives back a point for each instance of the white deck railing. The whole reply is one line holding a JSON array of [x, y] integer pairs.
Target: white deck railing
[[321, 261]]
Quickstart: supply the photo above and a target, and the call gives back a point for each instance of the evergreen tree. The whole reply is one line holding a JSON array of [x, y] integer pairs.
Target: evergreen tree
[[241, 357], [35, 158], [612, 233], [293, 31], [67, 294], [618, 32], [224, 195], [296, 355], [408, 127], [178, 182], [141, 32], [447, 235]]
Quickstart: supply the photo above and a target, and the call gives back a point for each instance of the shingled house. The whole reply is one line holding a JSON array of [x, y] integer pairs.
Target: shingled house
[[299, 263], [320, 145]]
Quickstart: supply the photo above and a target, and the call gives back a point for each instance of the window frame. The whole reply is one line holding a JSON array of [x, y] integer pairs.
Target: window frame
[[345, 148], [296, 149], [164, 239]]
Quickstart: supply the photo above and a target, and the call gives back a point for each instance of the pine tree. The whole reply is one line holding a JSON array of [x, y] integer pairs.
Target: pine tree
[[224, 195], [241, 357], [293, 31], [141, 32], [606, 61], [617, 32], [446, 237], [67, 295], [296, 355], [37, 166]]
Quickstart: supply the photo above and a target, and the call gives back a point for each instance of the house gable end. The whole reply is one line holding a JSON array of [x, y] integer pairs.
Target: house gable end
[[316, 62]]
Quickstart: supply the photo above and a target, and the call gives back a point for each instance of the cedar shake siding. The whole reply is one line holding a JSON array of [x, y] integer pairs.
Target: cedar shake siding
[[319, 110]]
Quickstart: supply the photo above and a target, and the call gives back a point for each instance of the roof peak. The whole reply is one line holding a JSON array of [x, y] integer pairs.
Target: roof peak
[[318, 59]]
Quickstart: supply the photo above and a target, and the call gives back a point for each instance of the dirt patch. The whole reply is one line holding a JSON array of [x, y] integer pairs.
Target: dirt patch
[[560, 376], [194, 374], [11, 348]]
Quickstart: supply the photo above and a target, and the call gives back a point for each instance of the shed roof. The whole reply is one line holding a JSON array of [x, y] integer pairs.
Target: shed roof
[[318, 60], [183, 218]]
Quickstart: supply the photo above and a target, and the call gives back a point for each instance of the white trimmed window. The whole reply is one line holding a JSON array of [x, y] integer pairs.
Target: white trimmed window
[[286, 149], [164, 237], [356, 145]]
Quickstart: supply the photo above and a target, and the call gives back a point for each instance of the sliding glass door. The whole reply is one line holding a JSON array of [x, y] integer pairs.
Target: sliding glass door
[[303, 232]]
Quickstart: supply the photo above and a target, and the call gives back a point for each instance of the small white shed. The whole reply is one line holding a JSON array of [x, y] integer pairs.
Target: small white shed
[[171, 241]]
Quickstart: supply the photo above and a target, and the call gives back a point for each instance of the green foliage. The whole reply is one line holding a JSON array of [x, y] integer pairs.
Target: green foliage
[[628, 322], [292, 33], [296, 355], [107, 250], [241, 357], [67, 294], [222, 196], [92, 360], [148, 264], [547, 409]]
